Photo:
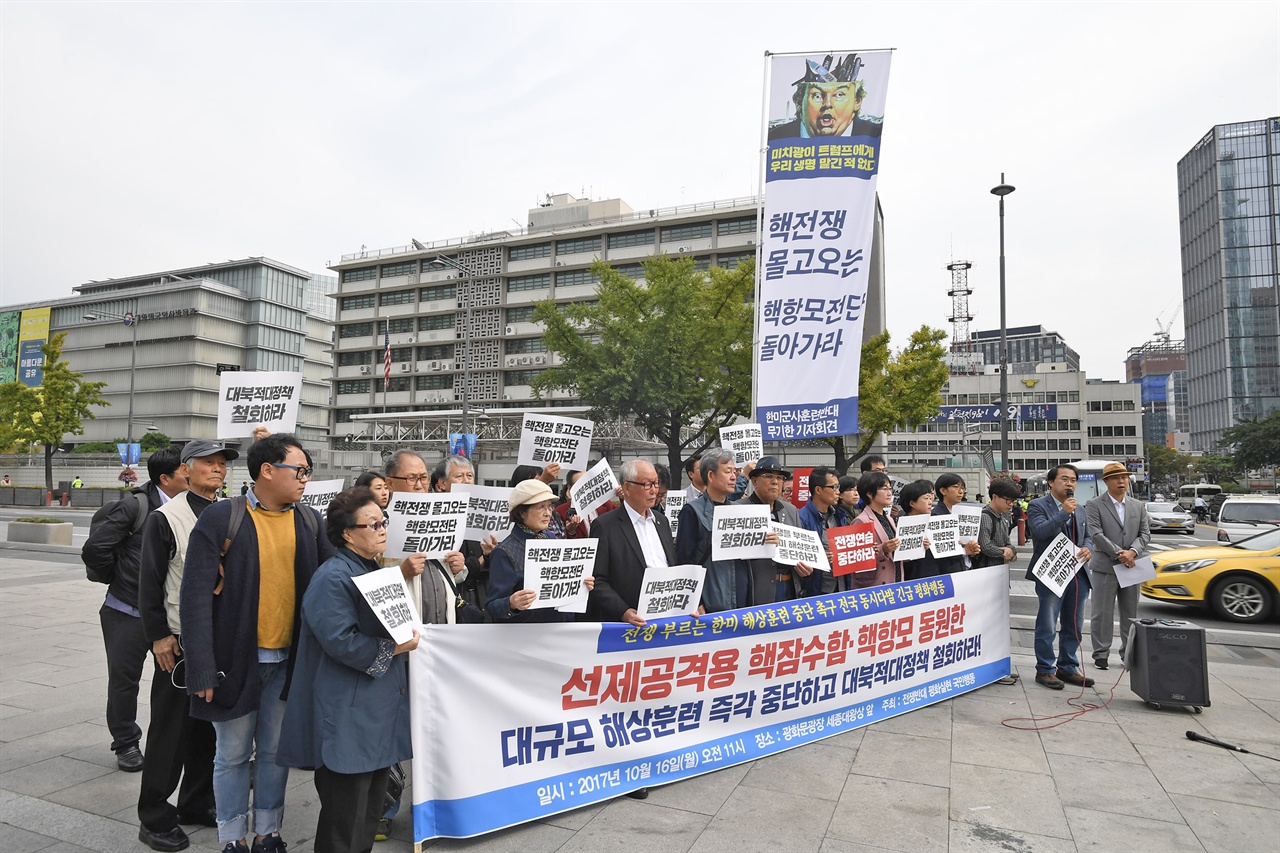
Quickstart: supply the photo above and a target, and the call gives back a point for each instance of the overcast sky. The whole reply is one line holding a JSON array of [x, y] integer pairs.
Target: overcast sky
[[140, 137]]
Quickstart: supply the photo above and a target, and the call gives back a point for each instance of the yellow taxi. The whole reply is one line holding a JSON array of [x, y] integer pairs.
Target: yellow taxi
[[1240, 581]]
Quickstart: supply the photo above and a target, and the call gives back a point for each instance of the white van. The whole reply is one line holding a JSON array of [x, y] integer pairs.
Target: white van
[[1243, 516]]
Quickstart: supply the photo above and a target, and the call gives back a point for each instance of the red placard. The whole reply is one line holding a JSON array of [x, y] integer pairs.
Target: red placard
[[853, 548], [800, 487]]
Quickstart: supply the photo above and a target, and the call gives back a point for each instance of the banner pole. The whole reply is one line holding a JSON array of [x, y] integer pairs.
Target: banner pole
[[755, 299]]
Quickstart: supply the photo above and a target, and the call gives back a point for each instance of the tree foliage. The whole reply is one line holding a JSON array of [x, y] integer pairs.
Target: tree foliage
[[668, 353], [44, 415], [1256, 442]]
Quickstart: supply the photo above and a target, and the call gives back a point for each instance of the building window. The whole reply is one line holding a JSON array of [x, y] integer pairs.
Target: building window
[[436, 292], [526, 253], [344, 415], [400, 325], [355, 330], [397, 297], [541, 281], [742, 225], [434, 382], [568, 279], [351, 359], [389, 270], [435, 322], [361, 274], [733, 260], [398, 383], [399, 354], [520, 377], [523, 314], [352, 303], [630, 239], [574, 247], [696, 231], [525, 345], [353, 386], [435, 353]]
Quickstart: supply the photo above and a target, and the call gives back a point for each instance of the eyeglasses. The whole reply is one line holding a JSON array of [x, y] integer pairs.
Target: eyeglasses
[[652, 484], [377, 525], [828, 486], [413, 481], [545, 506], [302, 472]]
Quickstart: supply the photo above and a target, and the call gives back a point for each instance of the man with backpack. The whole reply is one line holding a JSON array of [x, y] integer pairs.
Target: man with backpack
[[111, 555]]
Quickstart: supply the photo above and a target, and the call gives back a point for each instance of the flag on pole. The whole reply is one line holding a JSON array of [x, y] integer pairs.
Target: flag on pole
[[386, 360]]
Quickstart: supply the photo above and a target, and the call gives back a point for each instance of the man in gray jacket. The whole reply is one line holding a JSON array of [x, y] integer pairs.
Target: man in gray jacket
[[773, 581], [1121, 533]]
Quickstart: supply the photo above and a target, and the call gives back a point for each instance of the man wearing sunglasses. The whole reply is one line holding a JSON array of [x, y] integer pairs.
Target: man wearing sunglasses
[[240, 653]]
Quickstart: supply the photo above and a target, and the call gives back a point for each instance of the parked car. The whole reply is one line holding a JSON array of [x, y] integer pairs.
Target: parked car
[[1240, 581], [1242, 516], [1171, 518]]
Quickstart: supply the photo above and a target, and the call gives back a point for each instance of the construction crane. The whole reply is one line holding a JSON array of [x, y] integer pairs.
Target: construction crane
[[1163, 334]]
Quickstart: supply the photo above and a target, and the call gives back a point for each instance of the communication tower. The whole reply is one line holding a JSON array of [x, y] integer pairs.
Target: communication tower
[[963, 361]]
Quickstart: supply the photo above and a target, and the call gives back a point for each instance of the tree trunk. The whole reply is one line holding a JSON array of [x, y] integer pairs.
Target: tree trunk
[[48, 466]]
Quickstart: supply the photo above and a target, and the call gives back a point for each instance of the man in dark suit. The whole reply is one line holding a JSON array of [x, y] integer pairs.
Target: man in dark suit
[[632, 537], [1048, 516], [1121, 532]]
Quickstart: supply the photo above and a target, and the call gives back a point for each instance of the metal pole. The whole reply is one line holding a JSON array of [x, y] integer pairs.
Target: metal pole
[[133, 373], [1003, 190]]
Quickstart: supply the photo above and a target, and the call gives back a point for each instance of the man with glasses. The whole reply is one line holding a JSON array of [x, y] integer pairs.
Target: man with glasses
[[631, 539], [820, 514], [728, 583], [240, 653], [457, 471], [772, 581]]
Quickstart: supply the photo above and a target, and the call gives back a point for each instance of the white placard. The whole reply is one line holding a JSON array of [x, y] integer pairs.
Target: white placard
[[548, 439], [738, 532], [425, 523], [1058, 564], [488, 511], [674, 503], [319, 494], [250, 399], [944, 539], [670, 591], [746, 442], [593, 489], [554, 569], [1143, 570], [970, 517], [912, 530], [387, 594], [799, 545]]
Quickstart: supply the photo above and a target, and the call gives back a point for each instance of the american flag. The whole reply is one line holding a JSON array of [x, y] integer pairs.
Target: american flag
[[386, 360]]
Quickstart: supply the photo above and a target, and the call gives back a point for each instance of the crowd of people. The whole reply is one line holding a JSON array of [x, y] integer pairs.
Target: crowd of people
[[265, 656]]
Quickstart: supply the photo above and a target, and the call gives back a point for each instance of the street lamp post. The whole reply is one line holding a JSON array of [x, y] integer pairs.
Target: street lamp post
[[130, 319], [468, 276], [1002, 190]]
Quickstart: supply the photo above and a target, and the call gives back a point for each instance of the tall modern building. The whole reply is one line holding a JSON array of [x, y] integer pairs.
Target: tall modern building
[[1028, 347], [1228, 198], [1152, 366]]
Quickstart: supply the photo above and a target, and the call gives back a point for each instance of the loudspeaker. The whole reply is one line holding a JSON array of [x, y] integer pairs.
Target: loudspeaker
[[1168, 663]]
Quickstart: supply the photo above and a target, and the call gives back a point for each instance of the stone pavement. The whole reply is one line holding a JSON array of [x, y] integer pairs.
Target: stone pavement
[[949, 777]]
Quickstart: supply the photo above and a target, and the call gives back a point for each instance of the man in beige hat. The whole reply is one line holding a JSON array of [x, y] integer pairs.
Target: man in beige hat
[[1121, 532]]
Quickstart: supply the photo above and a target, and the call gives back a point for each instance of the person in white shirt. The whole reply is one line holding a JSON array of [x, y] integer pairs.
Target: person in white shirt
[[1121, 533]]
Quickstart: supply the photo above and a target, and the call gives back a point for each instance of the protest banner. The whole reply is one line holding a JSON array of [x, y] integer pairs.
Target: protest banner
[[799, 545], [547, 439], [554, 569], [254, 398], [970, 516], [943, 535], [819, 217], [853, 549], [670, 591], [562, 716], [425, 523], [738, 532], [912, 530], [1058, 564], [386, 593], [488, 511], [898, 485], [675, 503], [593, 489], [320, 493], [744, 441], [800, 487]]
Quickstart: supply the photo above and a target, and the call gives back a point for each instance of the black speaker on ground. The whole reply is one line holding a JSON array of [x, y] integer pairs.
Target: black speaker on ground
[[1168, 664]]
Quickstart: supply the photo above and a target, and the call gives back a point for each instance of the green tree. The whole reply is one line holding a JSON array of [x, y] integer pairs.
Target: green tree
[[1256, 442], [153, 441], [895, 389], [44, 415], [672, 352], [1217, 468], [1167, 464]]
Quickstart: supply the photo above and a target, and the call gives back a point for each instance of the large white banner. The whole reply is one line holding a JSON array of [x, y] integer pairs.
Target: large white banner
[[250, 399], [559, 716], [825, 117]]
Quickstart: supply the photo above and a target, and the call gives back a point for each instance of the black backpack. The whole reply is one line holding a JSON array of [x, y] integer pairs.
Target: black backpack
[[141, 507]]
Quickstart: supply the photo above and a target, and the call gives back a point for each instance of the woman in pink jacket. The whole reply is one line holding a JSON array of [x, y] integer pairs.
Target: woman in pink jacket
[[877, 493]]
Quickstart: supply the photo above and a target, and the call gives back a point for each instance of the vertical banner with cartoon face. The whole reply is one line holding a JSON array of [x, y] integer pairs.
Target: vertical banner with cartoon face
[[825, 118]]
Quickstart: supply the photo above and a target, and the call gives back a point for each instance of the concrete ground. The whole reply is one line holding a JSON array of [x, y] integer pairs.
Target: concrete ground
[[973, 773]]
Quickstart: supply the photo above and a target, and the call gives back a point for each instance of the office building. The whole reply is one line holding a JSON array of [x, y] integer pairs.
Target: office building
[[1028, 347], [1228, 191], [1152, 366]]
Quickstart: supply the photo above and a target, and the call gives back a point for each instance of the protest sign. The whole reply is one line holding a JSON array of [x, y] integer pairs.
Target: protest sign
[[898, 485], [560, 716], [593, 489], [800, 487], [320, 493], [387, 594], [744, 441], [943, 534], [970, 516], [675, 503], [1058, 564], [912, 529], [799, 545], [853, 549], [738, 532], [547, 439], [425, 523], [250, 399], [670, 591], [554, 569], [488, 511]]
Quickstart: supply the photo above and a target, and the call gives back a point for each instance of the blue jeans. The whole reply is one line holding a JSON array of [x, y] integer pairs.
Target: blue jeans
[[236, 744], [1067, 610]]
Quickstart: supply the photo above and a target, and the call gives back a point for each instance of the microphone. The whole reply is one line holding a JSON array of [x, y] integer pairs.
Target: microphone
[[1205, 739], [1071, 493]]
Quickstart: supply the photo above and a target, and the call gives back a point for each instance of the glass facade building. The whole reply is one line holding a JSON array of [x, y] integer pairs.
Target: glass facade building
[[1229, 216]]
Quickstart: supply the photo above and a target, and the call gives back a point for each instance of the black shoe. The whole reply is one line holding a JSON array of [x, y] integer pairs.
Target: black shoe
[[174, 839], [205, 818], [639, 794], [1075, 678], [129, 760], [1099, 663], [1048, 679]]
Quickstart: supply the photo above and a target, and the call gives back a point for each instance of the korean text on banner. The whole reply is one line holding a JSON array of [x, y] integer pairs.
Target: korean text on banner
[[799, 545], [250, 399], [1058, 564], [745, 441], [738, 532], [488, 511], [547, 439], [320, 493], [423, 523], [675, 503], [386, 593], [970, 517], [561, 716], [943, 535], [853, 549], [554, 569], [825, 117], [670, 591], [912, 530], [593, 489]]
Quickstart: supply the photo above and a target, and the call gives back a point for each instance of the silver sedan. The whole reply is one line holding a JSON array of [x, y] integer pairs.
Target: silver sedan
[[1171, 518]]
